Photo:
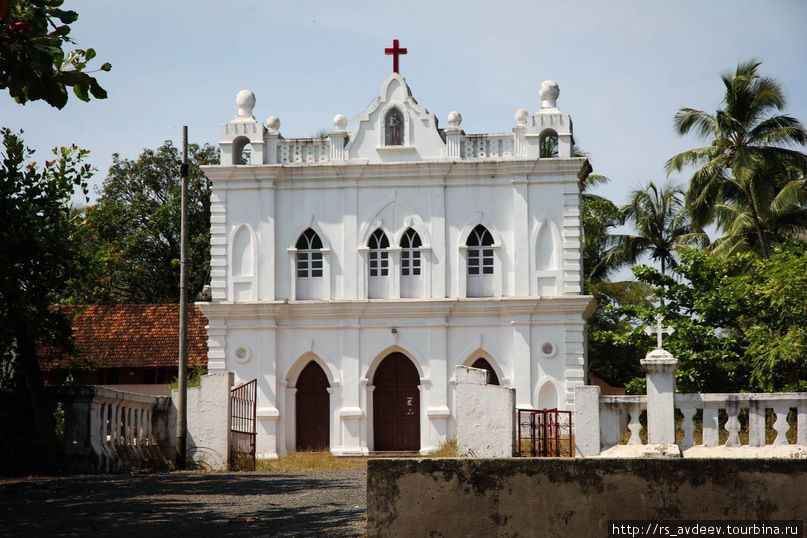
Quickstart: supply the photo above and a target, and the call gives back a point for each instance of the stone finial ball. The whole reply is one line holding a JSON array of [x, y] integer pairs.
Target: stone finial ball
[[548, 92], [273, 123], [454, 119], [340, 122], [245, 99], [522, 116]]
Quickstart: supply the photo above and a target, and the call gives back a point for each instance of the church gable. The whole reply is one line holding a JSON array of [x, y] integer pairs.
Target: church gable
[[395, 128]]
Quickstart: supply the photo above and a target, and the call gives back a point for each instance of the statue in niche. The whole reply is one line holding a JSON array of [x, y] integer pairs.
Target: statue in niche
[[393, 128]]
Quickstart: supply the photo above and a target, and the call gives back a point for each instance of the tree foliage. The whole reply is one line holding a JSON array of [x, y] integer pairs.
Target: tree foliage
[[40, 254], [739, 182], [132, 234], [739, 320], [35, 62]]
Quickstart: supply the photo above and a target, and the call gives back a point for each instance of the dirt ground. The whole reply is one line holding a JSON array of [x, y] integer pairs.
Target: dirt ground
[[313, 503]]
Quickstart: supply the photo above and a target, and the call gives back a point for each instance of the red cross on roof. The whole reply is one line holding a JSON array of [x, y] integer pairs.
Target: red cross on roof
[[395, 51]]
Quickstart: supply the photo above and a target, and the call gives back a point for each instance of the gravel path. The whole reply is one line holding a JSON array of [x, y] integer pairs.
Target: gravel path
[[321, 503]]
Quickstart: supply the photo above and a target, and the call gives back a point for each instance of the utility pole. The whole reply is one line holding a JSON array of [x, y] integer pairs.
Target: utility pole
[[182, 412]]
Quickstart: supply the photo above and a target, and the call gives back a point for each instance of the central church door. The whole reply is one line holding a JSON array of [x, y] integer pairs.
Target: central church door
[[396, 404], [312, 403]]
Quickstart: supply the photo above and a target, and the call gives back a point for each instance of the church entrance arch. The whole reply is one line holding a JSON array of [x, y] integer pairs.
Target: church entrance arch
[[396, 404], [313, 410]]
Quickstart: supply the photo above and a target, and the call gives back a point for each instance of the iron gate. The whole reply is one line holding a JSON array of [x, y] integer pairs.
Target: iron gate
[[545, 433], [242, 426]]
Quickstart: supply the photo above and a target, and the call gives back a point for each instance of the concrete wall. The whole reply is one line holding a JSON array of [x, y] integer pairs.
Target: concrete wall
[[567, 497], [486, 415], [209, 421]]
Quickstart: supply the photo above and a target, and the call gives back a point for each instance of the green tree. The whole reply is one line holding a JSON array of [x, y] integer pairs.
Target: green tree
[[34, 62], [661, 225], [132, 234], [40, 254], [599, 217], [744, 137]]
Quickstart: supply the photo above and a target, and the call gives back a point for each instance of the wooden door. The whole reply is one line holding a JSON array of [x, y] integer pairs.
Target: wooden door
[[313, 409], [396, 405]]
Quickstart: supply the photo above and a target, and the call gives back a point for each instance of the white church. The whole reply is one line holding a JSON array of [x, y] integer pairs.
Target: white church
[[351, 273]]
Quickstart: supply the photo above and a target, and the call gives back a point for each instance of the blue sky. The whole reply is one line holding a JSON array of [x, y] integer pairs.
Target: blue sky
[[624, 67]]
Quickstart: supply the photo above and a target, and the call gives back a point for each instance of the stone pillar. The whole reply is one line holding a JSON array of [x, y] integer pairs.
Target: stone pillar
[[454, 135], [587, 420], [486, 416], [337, 137], [660, 366]]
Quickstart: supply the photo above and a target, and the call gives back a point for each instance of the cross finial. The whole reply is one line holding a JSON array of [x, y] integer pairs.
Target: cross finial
[[395, 51], [658, 330]]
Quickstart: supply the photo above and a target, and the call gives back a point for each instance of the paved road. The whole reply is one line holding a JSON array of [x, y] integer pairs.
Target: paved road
[[322, 503]]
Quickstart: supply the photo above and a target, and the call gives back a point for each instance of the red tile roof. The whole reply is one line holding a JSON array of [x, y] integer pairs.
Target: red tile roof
[[132, 336]]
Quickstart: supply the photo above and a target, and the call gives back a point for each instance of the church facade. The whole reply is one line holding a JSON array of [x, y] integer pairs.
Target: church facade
[[350, 274]]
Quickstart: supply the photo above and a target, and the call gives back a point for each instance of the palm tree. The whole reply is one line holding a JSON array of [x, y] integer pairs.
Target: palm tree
[[781, 213], [745, 137], [661, 225]]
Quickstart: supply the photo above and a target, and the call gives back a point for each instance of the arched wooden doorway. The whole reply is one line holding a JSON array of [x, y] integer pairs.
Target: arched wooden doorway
[[313, 409], [482, 363], [396, 404]]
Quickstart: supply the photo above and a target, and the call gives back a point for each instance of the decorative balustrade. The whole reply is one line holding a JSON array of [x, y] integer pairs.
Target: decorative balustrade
[[488, 146], [111, 431], [744, 414], [618, 415], [701, 421], [303, 150]]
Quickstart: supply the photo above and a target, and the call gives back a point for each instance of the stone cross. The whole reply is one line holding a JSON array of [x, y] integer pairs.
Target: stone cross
[[658, 330], [395, 51]]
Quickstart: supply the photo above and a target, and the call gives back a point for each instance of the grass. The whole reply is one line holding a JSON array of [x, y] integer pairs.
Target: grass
[[311, 461], [448, 449]]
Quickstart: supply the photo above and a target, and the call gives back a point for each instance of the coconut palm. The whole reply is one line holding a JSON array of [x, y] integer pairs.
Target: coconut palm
[[781, 212], [746, 136], [660, 223]]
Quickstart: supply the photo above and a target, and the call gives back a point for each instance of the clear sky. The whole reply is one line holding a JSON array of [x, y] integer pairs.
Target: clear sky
[[624, 67]]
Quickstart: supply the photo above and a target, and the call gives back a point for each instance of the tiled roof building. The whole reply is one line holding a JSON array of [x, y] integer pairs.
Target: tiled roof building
[[128, 344]]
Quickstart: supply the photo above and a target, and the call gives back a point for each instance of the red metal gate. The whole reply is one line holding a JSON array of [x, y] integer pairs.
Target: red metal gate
[[545, 433], [242, 426]]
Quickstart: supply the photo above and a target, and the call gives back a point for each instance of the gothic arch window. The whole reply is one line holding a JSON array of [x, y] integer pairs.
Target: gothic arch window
[[379, 264], [393, 128], [483, 363], [309, 265], [411, 266], [480, 262]]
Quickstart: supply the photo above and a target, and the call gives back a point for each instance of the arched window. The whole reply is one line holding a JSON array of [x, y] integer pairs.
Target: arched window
[[379, 264], [410, 264], [480, 262], [393, 128], [482, 363], [242, 150], [309, 265], [548, 143]]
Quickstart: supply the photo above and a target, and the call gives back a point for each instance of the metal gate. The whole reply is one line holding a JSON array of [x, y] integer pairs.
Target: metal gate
[[545, 433], [242, 426]]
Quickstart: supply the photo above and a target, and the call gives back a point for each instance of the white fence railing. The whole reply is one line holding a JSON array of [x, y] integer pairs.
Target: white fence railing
[[106, 430], [664, 420]]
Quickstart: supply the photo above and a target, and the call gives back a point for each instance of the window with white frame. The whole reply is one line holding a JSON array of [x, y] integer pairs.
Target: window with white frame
[[379, 265], [309, 265], [480, 262], [411, 264]]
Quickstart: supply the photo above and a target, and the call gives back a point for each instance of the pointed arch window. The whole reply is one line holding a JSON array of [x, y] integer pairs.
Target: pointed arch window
[[411, 264], [393, 128], [410, 253], [309, 266], [480, 262], [379, 255], [309, 255]]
